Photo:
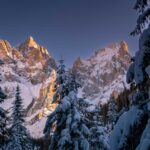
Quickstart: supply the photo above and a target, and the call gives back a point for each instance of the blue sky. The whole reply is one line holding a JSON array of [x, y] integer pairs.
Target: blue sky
[[70, 28]]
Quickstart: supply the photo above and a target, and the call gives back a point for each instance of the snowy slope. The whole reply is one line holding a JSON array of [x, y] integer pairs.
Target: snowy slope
[[123, 127]]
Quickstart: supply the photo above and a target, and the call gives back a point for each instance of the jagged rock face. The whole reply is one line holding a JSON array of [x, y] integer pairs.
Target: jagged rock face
[[16, 55], [45, 96], [103, 72], [9, 54], [124, 46], [5, 50], [29, 63], [35, 53], [32, 68], [39, 61], [29, 60]]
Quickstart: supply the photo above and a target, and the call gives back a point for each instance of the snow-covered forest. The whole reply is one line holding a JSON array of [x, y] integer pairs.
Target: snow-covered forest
[[61, 116]]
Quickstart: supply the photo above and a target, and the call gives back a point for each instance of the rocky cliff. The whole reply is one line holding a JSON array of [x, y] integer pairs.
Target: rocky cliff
[[103, 73], [32, 67]]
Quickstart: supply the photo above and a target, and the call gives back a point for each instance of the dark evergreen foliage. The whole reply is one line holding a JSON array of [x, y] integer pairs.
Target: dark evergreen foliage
[[4, 121], [136, 130], [19, 138], [2, 95], [65, 125], [135, 133], [61, 86], [141, 60], [142, 6], [68, 126]]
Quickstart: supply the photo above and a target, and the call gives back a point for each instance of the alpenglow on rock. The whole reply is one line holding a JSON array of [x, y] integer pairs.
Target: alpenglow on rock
[[35, 53], [31, 67]]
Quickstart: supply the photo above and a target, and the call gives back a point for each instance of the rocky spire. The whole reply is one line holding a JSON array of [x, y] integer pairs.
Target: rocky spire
[[5, 45], [35, 53], [123, 50], [5, 49], [124, 46], [30, 42]]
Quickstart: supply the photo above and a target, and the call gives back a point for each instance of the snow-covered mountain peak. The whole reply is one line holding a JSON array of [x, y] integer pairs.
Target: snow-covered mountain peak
[[31, 46], [30, 42], [35, 53], [33, 69], [30, 38], [27, 46], [120, 49], [103, 72]]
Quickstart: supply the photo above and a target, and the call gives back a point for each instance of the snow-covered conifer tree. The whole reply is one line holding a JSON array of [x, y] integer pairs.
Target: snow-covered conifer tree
[[112, 113], [4, 120], [131, 131], [137, 70], [4, 131], [2, 95], [19, 134], [65, 124], [99, 138], [60, 86], [69, 127], [142, 58], [128, 130]]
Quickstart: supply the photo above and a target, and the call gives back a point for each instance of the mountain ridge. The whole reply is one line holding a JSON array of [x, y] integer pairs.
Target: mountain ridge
[[36, 76], [101, 69]]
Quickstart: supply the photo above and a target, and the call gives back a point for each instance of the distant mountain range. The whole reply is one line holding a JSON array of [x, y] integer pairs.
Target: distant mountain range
[[32, 67]]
